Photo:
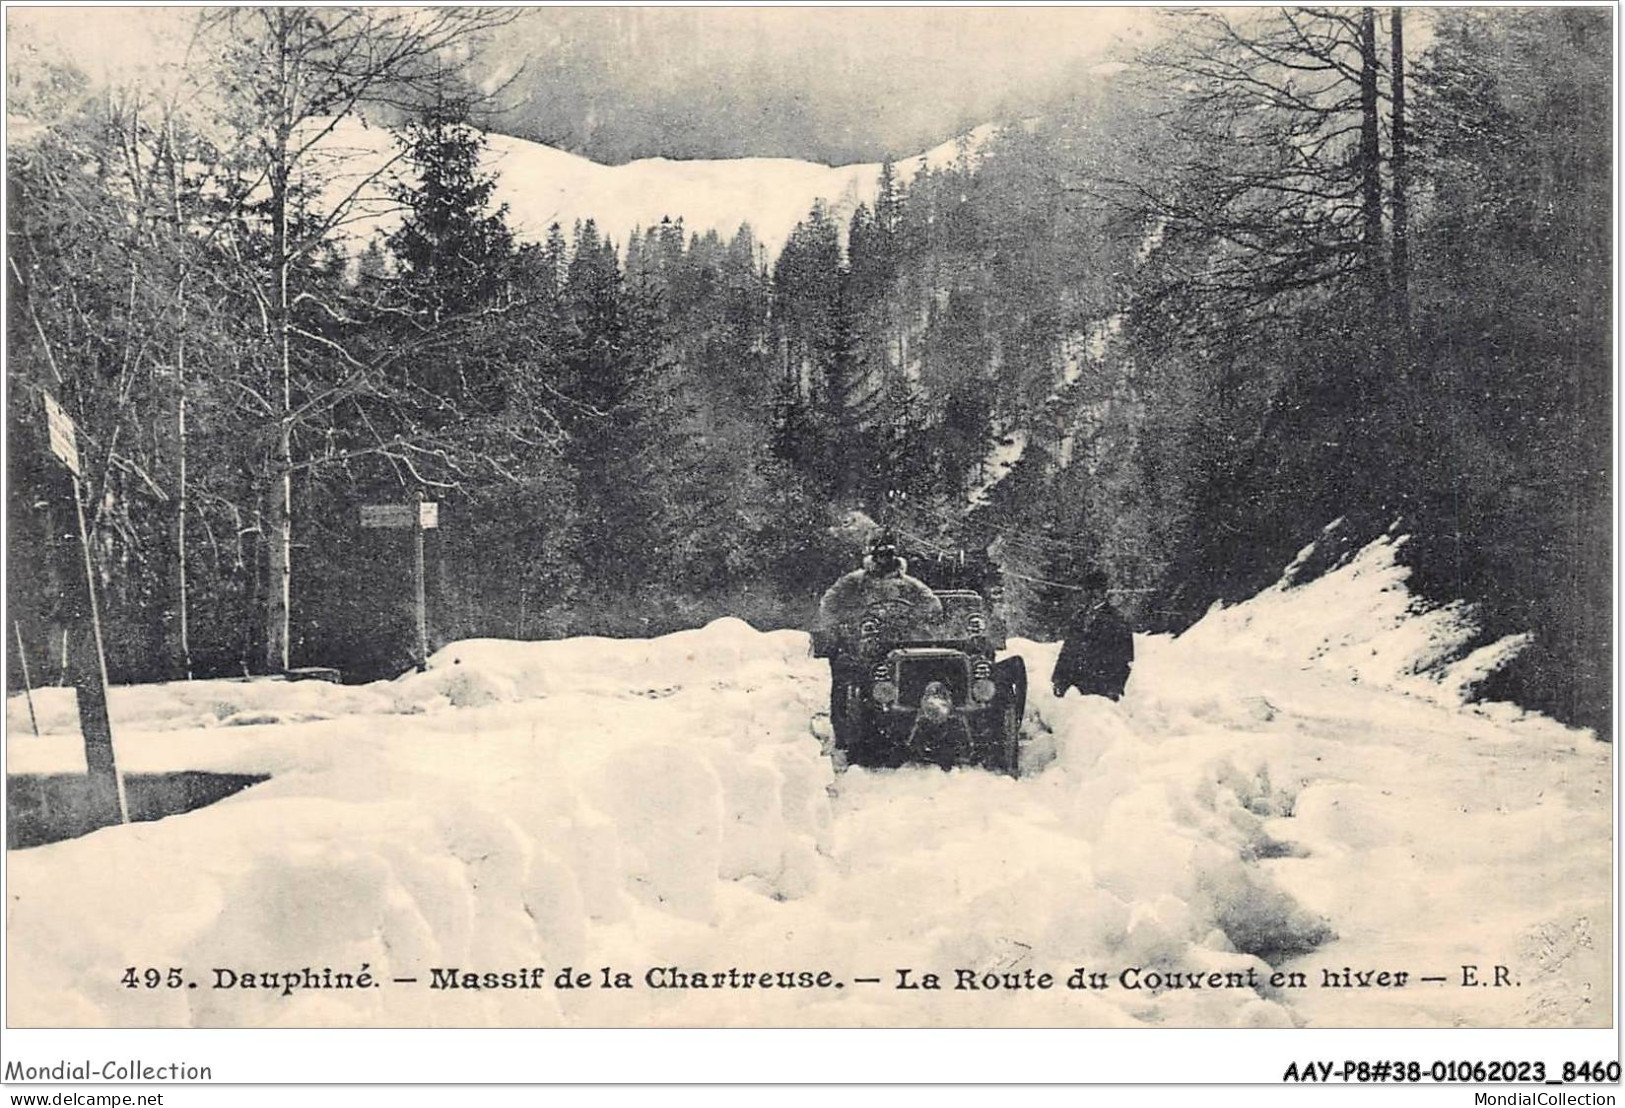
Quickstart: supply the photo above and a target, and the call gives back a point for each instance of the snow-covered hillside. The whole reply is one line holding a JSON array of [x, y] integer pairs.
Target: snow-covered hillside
[[1285, 786], [542, 185]]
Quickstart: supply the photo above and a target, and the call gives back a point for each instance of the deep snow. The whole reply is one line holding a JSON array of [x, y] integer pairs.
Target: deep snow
[[1294, 783], [542, 185]]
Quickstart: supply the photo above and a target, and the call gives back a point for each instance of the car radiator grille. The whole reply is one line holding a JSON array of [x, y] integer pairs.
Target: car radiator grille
[[917, 673]]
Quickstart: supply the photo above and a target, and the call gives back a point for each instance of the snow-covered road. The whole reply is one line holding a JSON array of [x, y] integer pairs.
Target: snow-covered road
[[1294, 785]]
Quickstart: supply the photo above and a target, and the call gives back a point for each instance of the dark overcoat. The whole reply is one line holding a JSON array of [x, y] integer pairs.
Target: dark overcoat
[[1097, 653]]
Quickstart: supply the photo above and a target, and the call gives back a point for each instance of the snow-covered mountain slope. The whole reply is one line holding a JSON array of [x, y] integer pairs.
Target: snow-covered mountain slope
[[1284, 787], [542, 185]]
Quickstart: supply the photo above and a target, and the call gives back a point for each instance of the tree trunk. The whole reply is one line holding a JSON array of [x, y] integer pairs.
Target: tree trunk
[[279, 560], [279, 509], [182, 627], [182, 623], [251, 569], [1371, 156]]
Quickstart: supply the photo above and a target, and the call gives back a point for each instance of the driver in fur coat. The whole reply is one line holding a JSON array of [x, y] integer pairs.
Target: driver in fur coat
[[882, 582]]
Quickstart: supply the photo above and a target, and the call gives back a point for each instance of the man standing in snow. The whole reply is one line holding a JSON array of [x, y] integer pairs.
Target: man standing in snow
[[1099, 647], [882, 583]]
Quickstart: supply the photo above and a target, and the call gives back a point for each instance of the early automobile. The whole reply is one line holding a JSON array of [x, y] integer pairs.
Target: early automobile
[[934, 694]]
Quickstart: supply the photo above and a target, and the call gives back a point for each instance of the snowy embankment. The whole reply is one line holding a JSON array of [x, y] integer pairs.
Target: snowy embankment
[[1283, 786], [542, 185]]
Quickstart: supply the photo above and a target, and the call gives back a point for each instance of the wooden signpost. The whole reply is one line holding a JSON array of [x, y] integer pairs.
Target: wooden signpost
[[420, 517], [89, 681]]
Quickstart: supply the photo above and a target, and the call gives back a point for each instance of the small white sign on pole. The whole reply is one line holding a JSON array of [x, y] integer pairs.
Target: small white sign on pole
[[428, 514]]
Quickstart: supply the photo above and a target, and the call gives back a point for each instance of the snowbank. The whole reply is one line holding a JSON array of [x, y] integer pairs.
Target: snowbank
[[472, 673], [1360, 624], [184, 705], [542, 185], [1320, 734], [587, 785]]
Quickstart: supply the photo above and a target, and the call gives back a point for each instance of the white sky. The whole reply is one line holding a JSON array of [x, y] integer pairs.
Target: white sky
[[118, 41], [107, 43]]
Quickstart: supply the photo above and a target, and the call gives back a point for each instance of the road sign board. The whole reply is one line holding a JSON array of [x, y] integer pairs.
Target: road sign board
[[63, 443], [427, 515], [387, 515]]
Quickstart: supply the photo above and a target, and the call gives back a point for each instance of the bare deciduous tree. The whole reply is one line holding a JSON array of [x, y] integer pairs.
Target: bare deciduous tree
[[290, 77]]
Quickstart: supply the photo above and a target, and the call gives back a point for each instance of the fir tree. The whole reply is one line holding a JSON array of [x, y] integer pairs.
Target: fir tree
[[453, 246]]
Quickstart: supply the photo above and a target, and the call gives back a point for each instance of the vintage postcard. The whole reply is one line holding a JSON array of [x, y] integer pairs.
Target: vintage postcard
[[648, 517]]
